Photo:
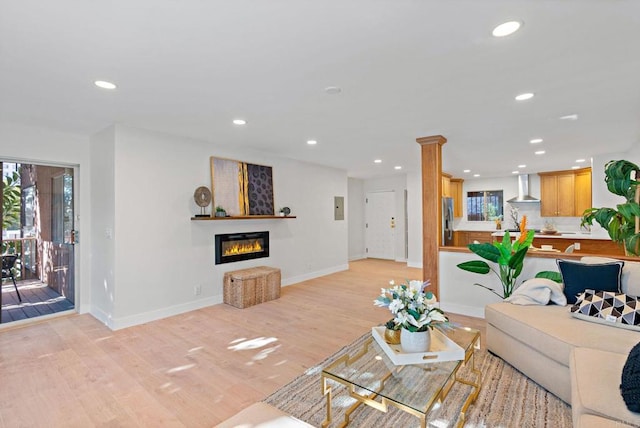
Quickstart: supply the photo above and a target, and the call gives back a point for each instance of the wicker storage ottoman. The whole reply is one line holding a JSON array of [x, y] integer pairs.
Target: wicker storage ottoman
[[248, 287]]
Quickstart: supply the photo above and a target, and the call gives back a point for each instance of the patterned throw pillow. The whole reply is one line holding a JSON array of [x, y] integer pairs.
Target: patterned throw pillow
[[610, 308]]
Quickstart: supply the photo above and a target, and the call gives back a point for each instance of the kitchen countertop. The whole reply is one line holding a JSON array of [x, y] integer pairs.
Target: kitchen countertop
[[559, 235]]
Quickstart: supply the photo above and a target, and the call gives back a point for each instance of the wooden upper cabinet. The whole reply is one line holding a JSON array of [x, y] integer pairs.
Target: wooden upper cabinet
[[583, 191], [549, 195], [452, 188], [446, 185], [565, 193], [456, 194]]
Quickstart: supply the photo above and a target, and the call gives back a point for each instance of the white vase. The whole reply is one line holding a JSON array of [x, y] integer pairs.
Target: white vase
[[419, 341]]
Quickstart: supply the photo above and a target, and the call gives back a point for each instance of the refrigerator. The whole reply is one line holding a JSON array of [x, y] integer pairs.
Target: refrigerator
[[447, 222]]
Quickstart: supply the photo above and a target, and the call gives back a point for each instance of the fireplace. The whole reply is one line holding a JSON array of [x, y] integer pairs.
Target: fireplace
[[235, 247]]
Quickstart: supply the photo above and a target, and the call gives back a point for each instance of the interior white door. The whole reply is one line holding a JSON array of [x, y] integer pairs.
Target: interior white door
[[380, 223]]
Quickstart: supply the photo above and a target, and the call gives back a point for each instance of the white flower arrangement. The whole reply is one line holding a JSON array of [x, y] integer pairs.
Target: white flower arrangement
[[413, 308]]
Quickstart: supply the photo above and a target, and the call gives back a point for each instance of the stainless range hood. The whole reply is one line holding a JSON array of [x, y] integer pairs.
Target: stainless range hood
[[523, 190]]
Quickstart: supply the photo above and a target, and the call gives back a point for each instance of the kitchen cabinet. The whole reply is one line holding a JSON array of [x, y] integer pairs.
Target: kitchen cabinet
[[455, 186], [565, 193], [446, 185], [462, 238], [586, 246], [452, 188], [583, 191]]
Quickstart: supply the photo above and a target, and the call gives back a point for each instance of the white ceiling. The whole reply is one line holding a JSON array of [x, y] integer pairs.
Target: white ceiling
[[408, 69]]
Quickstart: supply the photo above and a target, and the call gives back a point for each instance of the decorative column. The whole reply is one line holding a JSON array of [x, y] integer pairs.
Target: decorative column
[[431, 152]]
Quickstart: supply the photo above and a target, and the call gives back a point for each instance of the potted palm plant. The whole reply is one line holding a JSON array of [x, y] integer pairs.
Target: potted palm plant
[[509, 258], [623, 222]]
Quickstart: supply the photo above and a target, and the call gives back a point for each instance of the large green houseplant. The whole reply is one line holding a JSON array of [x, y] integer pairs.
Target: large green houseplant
[[623, 222], [509, 256]]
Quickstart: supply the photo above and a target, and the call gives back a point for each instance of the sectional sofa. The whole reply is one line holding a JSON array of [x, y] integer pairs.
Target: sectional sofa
[[579, 361]]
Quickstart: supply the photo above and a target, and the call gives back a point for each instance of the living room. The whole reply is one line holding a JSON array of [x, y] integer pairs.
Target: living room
[[141, 258]]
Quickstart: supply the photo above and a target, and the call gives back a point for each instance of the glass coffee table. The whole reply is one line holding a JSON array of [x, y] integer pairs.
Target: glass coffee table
[[373, 379]]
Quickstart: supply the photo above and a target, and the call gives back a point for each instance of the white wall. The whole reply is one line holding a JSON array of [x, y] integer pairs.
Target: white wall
[[355, 208], [397, 184], [103, 209], [45, 146], [161, 255]]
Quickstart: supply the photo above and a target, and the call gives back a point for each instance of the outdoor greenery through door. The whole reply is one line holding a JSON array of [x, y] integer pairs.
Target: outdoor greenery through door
[[37, 239]]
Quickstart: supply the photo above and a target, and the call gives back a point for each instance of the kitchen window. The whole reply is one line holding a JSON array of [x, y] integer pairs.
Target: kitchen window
[[485, 205]]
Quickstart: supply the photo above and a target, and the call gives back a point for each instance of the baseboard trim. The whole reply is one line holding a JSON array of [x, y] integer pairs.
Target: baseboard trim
[[130, 321], [312, 275], [414, 264], [133, 320]]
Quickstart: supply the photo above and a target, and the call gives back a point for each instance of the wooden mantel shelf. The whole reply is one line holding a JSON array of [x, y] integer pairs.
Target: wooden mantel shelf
[[246, 217]]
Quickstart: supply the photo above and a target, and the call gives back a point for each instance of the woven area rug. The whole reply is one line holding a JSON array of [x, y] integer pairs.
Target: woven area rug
[[507, 399]]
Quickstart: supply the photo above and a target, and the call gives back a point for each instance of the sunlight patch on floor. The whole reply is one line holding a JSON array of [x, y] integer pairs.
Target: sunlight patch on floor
[[245, 344], [262, 354], [248, 344], [27, 304], [180, 368]]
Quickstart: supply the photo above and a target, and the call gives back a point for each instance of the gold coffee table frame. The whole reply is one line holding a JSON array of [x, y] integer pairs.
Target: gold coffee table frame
[[369, 370]]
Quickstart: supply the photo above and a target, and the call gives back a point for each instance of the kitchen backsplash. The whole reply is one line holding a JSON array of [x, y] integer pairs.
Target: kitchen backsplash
[[534, 221]]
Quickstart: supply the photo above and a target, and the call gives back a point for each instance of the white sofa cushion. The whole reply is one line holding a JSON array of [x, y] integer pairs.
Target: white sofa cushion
[[595, 387], [552, 331], [263, 415], [630, 282]]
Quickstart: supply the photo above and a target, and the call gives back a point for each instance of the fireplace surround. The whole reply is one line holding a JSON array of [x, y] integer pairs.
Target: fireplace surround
[[235, 247]]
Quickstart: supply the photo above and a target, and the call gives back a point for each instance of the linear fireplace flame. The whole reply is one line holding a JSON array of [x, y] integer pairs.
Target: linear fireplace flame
[[235, 247], [241, 247]]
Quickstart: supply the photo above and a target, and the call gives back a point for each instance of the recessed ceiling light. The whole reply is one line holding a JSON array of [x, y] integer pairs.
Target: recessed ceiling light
[[580, 160], [397, 167], [515, 172], [569, 117], [239, 122], [506, 28], [540, 152], [332, 90], [522, 166], [525, 96], [377, 161], [312, 142], [575, 167], [104, 84], [476, 175], [467, 170], [536, 141]]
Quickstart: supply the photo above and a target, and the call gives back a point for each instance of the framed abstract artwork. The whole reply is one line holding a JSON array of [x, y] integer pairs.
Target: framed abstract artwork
[[242, 188]]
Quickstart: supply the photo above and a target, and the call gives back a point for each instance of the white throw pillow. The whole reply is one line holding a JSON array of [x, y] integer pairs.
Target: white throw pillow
[[630, 281]]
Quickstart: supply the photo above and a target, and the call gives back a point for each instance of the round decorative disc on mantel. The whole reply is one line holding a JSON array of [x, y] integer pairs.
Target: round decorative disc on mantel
[[202, 196]]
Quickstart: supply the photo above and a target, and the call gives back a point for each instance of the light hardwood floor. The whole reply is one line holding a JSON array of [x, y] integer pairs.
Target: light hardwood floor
[[191, 370]]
